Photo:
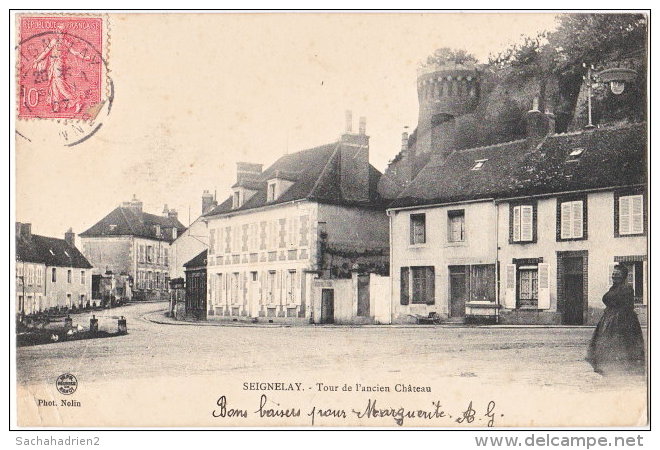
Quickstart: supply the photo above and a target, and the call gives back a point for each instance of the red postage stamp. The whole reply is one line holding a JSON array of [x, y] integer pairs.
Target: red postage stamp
[[60, 66]]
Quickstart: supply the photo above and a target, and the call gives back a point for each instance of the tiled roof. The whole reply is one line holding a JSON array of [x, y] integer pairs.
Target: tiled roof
[[49, 251], [610, 157], [126, 222], [315, 176], [198, 261]]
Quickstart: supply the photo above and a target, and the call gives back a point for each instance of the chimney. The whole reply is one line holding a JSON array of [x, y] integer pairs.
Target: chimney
[[207, 201], [70, 237], [363, 126], [354, 165], [349, 121], [134, 205], [404, 142], [172, 214], [247, 171], [538, 124], [165, 210], [25, 230]]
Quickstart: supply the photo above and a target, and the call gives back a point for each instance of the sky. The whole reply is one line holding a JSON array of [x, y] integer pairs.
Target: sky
[[195, 93]]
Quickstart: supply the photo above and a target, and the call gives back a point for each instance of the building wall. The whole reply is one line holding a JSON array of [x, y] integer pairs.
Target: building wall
[[250, 250], [479, 247], [190, 244], [65, 292], [150, 275], [109, 253], [30, 287], [601, 245]]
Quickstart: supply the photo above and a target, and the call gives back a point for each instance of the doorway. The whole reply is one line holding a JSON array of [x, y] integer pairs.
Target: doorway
[[572, 284], [327, 306], [457, 291]]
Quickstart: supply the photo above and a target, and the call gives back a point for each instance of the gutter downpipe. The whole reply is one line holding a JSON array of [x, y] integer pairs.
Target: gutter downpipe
[[497, 261], [390, 215]]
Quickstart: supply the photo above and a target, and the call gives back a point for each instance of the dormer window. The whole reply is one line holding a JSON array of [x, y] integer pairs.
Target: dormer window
[[237, 199], [112, 227], [157, 230], [272, 188], [478, 164], [174, 233]]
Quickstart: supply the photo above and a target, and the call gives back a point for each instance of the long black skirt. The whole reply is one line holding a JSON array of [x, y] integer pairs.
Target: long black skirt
[[617, 345]]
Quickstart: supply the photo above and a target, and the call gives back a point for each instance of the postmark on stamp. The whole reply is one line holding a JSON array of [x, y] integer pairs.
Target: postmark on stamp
[[62, 74]]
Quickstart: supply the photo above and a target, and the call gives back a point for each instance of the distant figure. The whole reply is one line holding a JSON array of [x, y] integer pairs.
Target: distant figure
[[61, 92], [617, 345]]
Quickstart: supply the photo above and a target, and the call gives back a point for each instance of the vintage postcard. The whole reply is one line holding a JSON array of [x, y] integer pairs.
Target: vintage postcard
[[434, 220]]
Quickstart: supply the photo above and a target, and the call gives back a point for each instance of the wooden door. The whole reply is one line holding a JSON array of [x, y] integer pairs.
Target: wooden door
[[327, 306], [573, 284], [458, 291]]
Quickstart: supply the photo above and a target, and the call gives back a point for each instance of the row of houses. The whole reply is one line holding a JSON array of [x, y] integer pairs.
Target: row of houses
[[524, 229]]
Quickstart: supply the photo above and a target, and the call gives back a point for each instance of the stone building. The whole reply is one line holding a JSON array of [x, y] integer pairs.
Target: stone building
[[50, 272], [191, 242], [130, 242], [525, 231], [314, 213]]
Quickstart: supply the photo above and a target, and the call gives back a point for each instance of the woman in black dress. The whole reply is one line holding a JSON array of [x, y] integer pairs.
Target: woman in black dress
[[617, 344]]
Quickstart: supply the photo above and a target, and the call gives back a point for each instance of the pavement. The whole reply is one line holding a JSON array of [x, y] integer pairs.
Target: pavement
[[537, 355]]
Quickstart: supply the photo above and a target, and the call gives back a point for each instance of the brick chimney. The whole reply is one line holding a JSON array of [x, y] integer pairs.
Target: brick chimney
[[208, 202], [24, 231], [70, 237], [247, 171], [134, 205], [538, 124], [354, 162]]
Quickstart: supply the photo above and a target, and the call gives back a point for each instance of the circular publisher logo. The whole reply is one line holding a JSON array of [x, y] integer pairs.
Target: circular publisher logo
[[66, 384]]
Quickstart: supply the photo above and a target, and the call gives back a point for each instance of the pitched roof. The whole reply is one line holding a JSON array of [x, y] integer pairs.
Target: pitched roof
[[614, 156], [198, 261], [49, 251], [315, 176], [127, 222]]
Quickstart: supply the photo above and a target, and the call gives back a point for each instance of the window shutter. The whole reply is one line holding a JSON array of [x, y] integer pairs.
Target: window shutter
[[516, 224], [644, 283], [610, 269], [510, 286], [637, 214], [405, 285], [577, 219], [624, 215], [526, 223], [566, 221], [430, 285], [544, 286]]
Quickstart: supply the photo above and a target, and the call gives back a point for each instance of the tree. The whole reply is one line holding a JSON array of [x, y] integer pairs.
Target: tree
[[446, 55]]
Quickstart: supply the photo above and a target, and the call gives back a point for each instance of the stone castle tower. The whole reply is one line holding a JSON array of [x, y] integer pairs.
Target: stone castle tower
[[445, 94]]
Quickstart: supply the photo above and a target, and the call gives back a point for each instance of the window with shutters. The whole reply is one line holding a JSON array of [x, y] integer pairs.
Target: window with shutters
[[635, 278], [54, 275], [456, 225], [528, 286], [571, 219], [522, 223], [629, 213], [212, 241], [417, 229], [234, 287], [418, 285], [270, 292], [291, 286]]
